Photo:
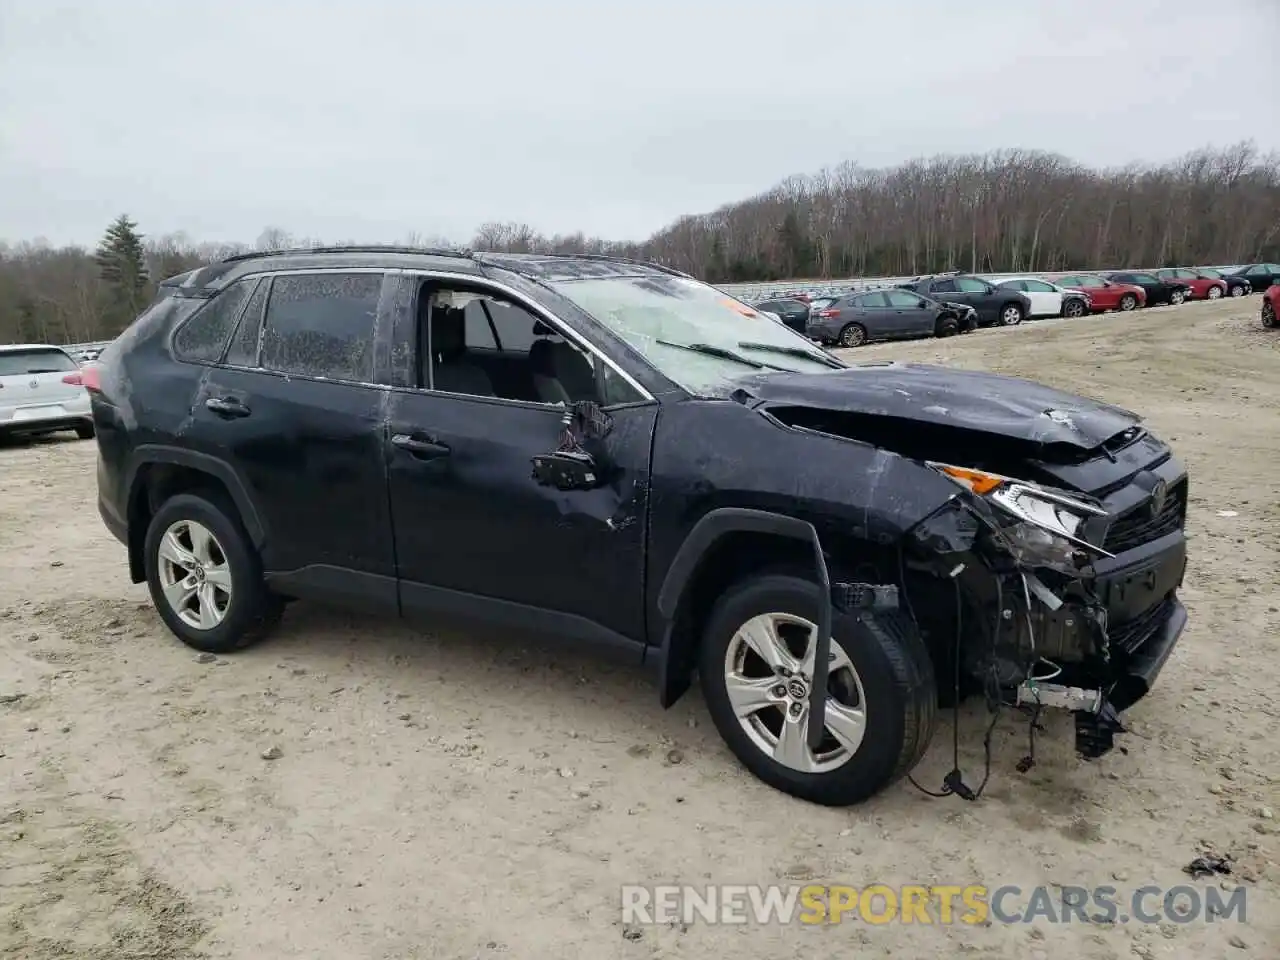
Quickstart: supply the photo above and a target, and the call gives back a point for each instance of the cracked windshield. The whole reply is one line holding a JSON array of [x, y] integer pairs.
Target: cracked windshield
[[692, 332]]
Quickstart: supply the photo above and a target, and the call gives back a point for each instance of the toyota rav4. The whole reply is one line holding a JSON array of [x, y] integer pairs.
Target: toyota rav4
[[611, 452]]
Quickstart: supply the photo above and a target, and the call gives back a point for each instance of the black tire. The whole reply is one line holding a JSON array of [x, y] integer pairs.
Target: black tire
[[85, 431], [946, 327], [891, 661], [1127, 302], [1268, 315], [252, 610], [1073, 309], [1011, 314], [1237, 290], [1177, 297], [853, 335]]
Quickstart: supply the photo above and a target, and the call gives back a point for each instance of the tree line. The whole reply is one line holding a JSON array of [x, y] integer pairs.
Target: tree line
[[1009, 210]]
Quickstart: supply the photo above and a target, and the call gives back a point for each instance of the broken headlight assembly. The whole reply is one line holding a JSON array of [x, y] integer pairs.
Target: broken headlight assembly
[[1043, 527]]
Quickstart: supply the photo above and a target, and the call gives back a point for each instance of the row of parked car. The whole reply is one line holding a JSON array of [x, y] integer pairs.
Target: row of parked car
[[943, 304]]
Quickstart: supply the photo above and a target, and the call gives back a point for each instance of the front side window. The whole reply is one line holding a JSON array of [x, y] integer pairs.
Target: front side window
[[945, 286], [1037, 286], [1144, 278], [321, 325], [696, 335], [1257, 271], [205, 335], [900, 298]]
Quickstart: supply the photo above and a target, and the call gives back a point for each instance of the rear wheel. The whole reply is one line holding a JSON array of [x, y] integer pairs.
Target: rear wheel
[[85, 431], [1215, 293], [853, 335], [1128, 302], [1073, 309], [204, 575], [1011, 315], [756, 667], [1268, 314]]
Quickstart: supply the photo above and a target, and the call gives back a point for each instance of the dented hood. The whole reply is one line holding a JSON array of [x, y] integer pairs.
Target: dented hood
[[966, 399]]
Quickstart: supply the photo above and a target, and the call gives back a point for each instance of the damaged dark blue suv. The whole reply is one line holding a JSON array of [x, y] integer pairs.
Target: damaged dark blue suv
[[611, 452]]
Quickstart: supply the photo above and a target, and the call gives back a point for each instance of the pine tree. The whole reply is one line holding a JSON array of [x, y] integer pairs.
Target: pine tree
[[122, 265]]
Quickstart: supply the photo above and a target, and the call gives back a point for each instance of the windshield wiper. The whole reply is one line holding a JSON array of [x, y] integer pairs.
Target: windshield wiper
[[721, 352], [792, 352]]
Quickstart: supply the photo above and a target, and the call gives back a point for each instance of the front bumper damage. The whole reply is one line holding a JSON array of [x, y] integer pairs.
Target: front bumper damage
[[1090, 640]]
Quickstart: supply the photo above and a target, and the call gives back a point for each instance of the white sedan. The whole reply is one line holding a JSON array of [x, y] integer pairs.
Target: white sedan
[[41, 392], [1047, 299]]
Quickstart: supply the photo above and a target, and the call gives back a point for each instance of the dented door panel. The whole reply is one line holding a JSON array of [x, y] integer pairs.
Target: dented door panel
[[471, 520]]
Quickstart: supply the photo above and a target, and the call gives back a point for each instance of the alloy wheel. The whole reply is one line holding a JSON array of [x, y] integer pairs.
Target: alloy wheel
[[1214, 293], [1237, 291], [195, 576], [768, 675], [1011, 316]]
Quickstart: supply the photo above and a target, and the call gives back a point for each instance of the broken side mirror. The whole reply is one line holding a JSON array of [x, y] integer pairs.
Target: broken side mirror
[[566, 470]]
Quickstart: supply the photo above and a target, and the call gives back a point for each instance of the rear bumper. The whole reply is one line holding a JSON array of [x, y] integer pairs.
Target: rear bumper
[[119, 528], [13, 428]]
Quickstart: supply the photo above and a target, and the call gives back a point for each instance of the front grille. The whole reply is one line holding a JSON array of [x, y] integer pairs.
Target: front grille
[[1138, 526], [1132, 634]]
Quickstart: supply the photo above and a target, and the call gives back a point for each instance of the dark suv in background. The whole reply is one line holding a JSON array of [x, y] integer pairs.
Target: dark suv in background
[[610, 452], [994, 305]]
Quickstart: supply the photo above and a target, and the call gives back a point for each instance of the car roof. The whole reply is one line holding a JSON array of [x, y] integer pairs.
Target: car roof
[[17, 347], [543, 267]]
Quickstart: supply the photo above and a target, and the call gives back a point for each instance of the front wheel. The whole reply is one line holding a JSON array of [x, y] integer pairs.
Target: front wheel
[[1128, 302], [1177, 297], [853, 335], [1011, 315], [946, 327], [1268, 315], [204, 575], [1073, 309], [756, 667], [1237, 291]]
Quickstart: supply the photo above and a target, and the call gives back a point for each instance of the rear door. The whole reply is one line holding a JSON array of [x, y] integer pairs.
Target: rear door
[[39, 383], [293, 407], [1045, 300]]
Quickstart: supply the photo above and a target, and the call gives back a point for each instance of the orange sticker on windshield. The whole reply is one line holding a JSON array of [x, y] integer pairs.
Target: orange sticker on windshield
[[737, 307]]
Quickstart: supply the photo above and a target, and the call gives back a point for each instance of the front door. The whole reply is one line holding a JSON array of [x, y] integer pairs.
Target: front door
[[910, 315], [476, 536]]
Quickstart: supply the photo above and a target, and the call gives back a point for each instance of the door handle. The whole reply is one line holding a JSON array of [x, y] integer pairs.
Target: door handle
[[227, 407], [421, 447]]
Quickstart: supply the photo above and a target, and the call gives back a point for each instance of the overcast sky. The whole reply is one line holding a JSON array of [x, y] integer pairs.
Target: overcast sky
[[369, 119]]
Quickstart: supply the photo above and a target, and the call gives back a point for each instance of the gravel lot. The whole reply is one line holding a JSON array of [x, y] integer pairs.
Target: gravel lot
[[462, 797]]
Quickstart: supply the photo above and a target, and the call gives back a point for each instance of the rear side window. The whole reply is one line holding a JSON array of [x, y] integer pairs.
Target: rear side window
[[205, 335], [944, 286], [243, 351], [970, 285], [17, 363], [321, 325]]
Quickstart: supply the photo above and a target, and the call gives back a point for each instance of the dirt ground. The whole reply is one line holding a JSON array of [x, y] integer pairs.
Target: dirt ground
[[441, 796]]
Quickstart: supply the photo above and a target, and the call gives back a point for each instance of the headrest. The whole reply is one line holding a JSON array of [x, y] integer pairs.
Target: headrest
[[540, 329]]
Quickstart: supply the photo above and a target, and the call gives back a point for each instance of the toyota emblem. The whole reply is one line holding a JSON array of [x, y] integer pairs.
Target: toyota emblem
[[1159, 494]]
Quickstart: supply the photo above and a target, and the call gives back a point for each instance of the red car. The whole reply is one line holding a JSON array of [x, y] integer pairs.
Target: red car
[[1104, 294], [1203, 287], [1271, 306]]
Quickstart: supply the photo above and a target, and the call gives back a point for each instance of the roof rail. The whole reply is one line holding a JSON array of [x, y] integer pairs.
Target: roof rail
[[640, 263], [356, 248]]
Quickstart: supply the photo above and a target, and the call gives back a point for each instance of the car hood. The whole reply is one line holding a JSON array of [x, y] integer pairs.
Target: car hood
[[947, 397]]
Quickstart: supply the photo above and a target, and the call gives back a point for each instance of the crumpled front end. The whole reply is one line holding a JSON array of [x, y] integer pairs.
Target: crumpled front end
[[1050, 598]]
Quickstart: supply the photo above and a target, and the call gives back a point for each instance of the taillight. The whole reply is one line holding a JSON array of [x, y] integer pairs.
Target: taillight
[[89, 378], [828, 313], [74, 379]]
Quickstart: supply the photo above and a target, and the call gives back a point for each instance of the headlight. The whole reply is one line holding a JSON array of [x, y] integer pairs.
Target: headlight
[[1044, 527]]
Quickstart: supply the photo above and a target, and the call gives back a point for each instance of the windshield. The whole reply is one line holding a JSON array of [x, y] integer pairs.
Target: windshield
[[14, 363], [696, 335]]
